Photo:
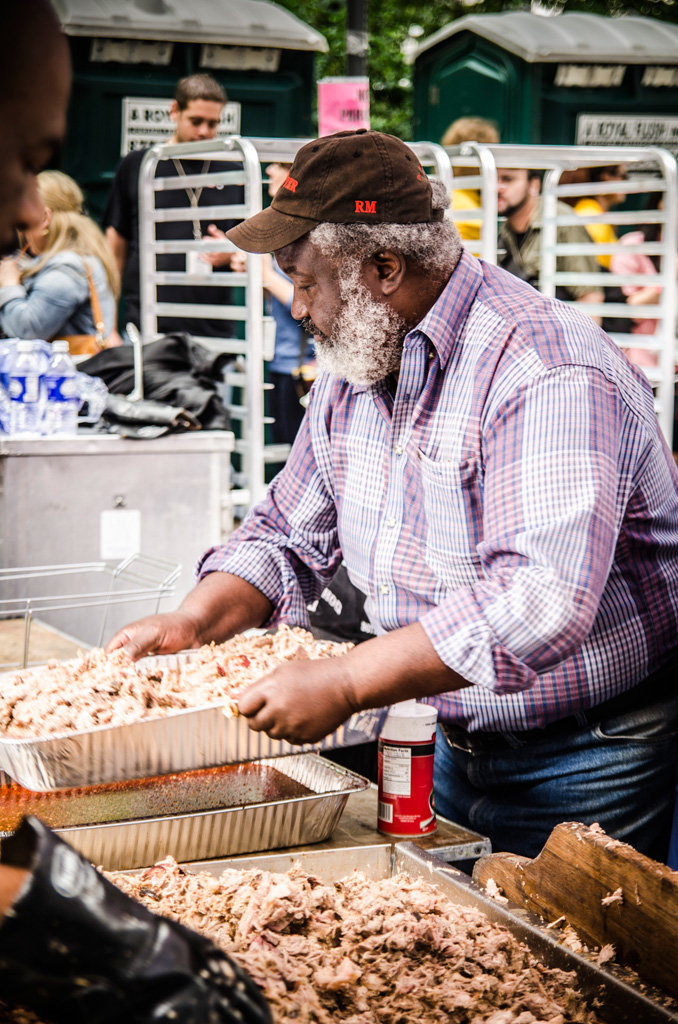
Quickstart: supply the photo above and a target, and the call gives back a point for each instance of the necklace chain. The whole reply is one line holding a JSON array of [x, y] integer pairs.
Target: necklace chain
[[193, 195]]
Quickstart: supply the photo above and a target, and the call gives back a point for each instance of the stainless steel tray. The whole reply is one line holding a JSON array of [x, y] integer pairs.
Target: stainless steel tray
[[617, 1002], [225, 826], [195, 738]]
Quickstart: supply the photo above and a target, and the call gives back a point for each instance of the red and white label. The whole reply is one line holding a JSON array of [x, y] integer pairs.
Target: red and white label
[[406, 803]]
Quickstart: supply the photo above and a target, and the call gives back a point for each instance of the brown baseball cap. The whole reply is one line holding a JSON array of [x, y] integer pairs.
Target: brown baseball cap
[[361, 177]]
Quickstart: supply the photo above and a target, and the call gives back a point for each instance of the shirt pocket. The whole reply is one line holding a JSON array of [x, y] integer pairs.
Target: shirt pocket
[[453, 513]]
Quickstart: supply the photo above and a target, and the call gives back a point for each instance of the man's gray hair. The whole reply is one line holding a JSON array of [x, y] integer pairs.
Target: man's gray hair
[[434, 247]]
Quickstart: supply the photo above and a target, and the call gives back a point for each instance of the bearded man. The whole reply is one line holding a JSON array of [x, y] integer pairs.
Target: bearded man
[[489, 466], [519, 200]]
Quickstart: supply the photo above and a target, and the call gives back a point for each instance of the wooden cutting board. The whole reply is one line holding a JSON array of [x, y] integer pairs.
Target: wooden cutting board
[[608, 892]]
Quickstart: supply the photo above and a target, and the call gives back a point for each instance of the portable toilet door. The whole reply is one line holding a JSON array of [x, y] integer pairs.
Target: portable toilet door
[[127, 58], [571, 79]]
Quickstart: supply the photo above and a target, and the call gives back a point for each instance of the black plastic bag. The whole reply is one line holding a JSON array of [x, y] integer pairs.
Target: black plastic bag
[[177, 371]]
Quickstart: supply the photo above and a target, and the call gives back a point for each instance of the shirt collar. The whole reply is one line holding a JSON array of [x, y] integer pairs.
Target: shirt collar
[[446, 317]]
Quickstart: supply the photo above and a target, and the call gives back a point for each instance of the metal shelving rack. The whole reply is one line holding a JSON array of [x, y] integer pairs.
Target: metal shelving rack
[[651, 169], [246, 373], [138, 578]]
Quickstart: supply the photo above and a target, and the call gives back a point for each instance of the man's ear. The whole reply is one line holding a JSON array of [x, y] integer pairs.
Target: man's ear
[[534, 186], [389, 269], [174, 111]]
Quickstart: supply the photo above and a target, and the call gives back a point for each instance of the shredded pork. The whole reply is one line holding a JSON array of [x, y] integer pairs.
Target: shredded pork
[[97, 689], [394, 951]]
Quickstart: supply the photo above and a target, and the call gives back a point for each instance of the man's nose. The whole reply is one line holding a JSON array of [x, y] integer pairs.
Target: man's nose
[[298, 309]]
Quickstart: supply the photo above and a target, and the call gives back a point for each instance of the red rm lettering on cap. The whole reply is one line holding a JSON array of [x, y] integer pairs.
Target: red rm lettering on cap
[[290, 184], [366, 206]]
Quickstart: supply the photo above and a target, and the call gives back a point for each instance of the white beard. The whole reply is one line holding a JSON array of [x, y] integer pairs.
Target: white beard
[[366, 343]]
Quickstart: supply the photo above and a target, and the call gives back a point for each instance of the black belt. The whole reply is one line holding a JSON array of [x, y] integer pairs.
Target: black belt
[[657, 687]]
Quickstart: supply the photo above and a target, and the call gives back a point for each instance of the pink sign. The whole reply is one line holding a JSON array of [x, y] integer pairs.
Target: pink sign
[[343, 104]]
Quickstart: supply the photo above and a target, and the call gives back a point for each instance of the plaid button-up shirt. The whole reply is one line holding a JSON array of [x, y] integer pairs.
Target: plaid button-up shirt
[[515, 496]]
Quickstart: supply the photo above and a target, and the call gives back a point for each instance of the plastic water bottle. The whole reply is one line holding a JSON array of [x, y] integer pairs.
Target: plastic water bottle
[[4, 408], [63, 402], [26, 390], [92, 393]]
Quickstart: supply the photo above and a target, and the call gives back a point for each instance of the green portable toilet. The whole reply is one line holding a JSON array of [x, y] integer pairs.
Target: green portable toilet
[[563, 80], [129, 54]]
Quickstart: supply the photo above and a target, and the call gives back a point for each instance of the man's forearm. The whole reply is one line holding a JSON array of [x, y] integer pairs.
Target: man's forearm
[[302, 702], [222, 605], [397, 666]]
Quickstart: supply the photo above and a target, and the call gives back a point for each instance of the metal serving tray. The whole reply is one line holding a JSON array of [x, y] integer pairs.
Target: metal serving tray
[[224, 825], [181, 741], [617, 1002]]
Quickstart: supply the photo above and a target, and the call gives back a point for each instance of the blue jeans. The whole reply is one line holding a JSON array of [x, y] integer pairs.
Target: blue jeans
[[617, 769]]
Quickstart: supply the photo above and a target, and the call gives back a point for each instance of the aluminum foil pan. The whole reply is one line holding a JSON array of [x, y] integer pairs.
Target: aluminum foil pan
[[616, 1001], [212, 815], [183, 740]]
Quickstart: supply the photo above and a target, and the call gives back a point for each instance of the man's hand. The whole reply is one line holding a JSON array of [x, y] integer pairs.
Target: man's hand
[[217, 608], [304, 701], [216, 259], [165, 633], [301, 701]]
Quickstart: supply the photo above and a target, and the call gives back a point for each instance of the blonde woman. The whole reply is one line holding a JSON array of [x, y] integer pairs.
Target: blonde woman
[[69, 285]]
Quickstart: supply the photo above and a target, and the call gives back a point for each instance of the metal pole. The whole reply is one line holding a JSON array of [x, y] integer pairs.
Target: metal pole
[[356, 38]]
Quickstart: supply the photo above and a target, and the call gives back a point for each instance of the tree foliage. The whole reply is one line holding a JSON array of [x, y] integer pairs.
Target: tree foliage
[[395, 25]]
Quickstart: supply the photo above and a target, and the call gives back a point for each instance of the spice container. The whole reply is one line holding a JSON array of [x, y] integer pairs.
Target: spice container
[[406, 749]]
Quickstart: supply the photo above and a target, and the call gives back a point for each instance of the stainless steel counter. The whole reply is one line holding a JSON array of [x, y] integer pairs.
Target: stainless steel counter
[[91, 498]]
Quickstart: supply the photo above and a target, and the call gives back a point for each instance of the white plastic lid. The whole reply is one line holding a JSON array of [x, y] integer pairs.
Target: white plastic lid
[[410, 722], [24, 346], [59, 346], [410, 708]]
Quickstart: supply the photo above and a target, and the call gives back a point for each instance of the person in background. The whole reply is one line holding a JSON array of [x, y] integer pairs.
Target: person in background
[[69, 285], [73, 948], [292, 364], [519, 201], [468, 129], [196, 111], [640, 295], [602, 234], [491, 470]]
